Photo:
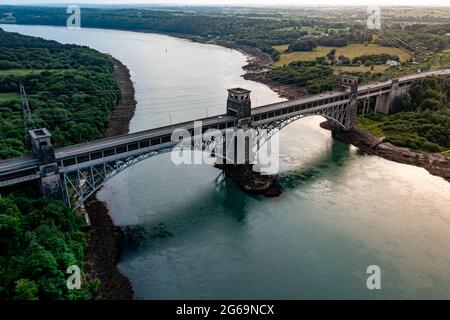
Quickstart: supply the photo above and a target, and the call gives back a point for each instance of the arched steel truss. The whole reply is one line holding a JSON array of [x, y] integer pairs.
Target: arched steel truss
[[80, 184], [336, 114]]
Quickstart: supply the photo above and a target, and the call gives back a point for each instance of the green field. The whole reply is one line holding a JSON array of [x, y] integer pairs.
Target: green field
[[376, 68], [351, 51], [19, 72], [8, 96], [371, 126]]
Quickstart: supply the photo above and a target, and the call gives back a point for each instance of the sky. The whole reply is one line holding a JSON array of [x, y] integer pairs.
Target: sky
[[246, 2]]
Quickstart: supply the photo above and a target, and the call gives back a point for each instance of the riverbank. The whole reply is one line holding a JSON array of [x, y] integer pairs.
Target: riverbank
[[251, 181], [103, 254], [435, 163], [258, 64], [122, 113], [104, 238]]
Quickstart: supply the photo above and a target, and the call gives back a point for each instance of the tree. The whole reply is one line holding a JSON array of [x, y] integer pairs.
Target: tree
[[343, 60], [26, 290], [302, 45], [332, 55], [402, 103], [10, 226]]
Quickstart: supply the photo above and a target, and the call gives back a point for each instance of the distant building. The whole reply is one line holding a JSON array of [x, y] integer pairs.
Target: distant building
[[392, 63], [7, 17]]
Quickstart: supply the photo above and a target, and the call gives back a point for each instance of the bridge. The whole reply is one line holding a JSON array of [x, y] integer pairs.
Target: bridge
[[74, 173]]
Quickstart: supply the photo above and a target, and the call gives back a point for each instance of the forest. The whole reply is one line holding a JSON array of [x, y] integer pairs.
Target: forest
[[261, 28], [262, 31], [420, 120], [71, 91], [39, 239], [311, 76]]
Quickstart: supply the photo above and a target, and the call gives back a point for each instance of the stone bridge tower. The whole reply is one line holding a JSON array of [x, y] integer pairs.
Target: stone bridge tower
[[50, 182], [239, 105], [350, 83]]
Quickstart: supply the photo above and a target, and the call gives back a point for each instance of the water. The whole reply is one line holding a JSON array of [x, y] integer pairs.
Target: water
[[191, 236]]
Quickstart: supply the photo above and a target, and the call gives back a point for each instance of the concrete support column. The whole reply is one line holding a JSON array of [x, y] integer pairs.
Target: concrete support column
[[381, 104], [364, 107], [386, 101], [350, 117], [50, 182]]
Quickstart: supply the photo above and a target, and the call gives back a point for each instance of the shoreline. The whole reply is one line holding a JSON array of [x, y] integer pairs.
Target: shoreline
[[258, 63], [121, 115], [435, 163], [104, 238]]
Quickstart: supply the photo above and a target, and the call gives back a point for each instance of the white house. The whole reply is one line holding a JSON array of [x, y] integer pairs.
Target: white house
[[392, 63]]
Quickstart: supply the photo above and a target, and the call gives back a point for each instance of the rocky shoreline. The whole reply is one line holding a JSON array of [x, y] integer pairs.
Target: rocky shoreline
[[435, 163], [251, 181], [258, 64], [103, 254], [122, 113], [104, 238]]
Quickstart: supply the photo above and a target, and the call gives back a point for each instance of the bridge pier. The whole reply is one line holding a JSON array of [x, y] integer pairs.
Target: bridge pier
[[350, 82], [50, 180], [239, 106], [350, 117], [385, 102], [85, 168], [241, 167]]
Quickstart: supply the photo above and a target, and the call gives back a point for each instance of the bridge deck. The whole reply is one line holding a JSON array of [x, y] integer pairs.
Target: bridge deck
[[30, 163], [16, 164], [128, 138]]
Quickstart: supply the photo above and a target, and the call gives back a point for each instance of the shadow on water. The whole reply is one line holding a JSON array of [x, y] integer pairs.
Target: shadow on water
[[230, 205], [329, 162], [225, 203]]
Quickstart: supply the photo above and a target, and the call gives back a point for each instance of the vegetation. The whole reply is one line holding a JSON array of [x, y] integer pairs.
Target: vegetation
[[375, 58], [73, 98], [39, 239], [421, 118], [262, 28], [71, 91], [351, 51], [4, 97], [340, 41], [302, 45], [313, 77], [18, 72]]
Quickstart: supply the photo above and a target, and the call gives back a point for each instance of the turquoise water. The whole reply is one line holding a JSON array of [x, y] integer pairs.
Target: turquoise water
[[191, 234]]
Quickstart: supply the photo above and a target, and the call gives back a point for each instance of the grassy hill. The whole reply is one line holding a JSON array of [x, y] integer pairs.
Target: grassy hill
[[350, 51]]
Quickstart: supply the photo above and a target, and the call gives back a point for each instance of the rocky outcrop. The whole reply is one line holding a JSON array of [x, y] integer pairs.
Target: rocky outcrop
[[103, 254], [436, 164], [250, 181], [105, 239]]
